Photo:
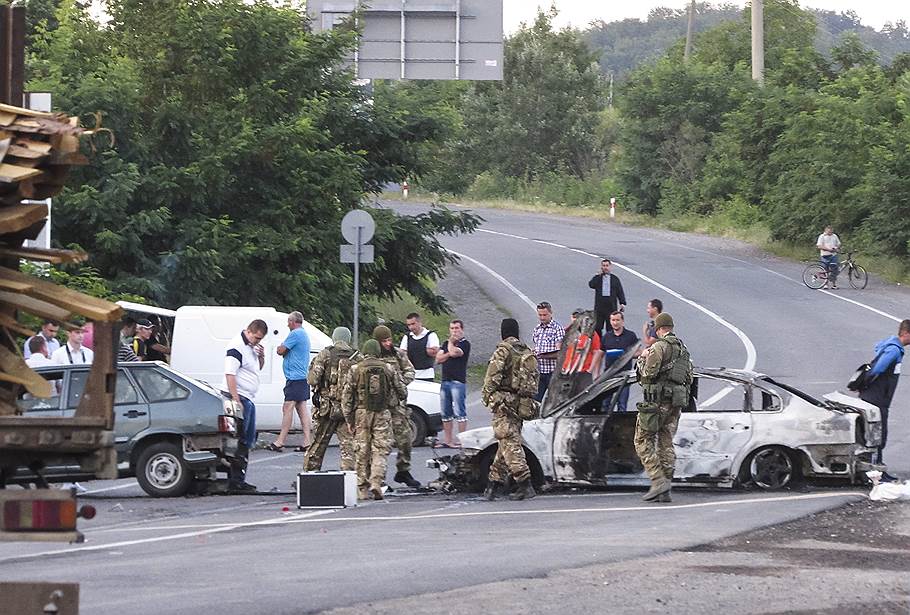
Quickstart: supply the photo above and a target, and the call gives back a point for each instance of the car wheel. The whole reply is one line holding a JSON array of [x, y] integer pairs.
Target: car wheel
[[418, 427], [161, 471], [771, 468], [485, 460]]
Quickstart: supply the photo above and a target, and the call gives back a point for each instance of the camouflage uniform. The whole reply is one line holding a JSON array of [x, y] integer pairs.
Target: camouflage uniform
[[332, 363], [401, 414], [665, 397], [500, 396], [372, 429]]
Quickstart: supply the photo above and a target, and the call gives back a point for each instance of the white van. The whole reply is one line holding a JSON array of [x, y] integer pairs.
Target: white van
[[199, 335]]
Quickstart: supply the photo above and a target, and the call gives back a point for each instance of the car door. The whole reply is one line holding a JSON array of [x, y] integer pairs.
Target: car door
[[43, 407], [581, 440], [714, 429], [131, 412]]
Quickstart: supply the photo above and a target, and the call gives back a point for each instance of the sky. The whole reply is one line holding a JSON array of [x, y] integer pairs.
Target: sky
[[579, 13]]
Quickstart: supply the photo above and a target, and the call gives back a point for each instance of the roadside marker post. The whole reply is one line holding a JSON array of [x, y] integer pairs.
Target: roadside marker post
[[358, 228], [404, 190], [612, 206]]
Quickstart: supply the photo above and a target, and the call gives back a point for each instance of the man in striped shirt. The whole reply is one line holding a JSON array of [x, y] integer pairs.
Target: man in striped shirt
[[547, 340]]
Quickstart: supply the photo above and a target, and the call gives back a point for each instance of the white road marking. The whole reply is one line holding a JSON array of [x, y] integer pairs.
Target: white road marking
[[860, 304], [142, 541], [751, 354], [507, 284]]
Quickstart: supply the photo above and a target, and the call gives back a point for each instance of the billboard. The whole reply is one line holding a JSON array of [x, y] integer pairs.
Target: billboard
[[420, 39]]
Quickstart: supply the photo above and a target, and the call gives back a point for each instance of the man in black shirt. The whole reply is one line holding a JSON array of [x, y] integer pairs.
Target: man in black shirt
[[453, 356], [608, 294], [615, 342]]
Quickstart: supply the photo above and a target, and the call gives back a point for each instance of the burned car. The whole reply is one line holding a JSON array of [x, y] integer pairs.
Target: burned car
[[741, 427]]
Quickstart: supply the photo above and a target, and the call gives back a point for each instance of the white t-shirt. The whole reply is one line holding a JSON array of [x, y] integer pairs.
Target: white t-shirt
[[432, 342], [828, 243], [66, 355], [241, 361], [37, 360]]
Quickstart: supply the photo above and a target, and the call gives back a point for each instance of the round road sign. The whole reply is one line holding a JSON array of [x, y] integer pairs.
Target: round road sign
[[355, 219]]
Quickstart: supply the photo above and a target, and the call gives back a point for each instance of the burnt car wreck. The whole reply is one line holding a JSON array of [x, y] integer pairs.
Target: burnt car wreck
[[741, 428]]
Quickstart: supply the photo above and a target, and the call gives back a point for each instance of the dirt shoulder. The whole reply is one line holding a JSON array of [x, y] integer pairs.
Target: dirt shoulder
[[854, 559]]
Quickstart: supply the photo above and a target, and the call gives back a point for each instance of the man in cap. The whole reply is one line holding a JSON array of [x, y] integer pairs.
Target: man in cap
[[142, 341], [665, 373], [327, 377], [509, 387], [401, 414], [370, 390]]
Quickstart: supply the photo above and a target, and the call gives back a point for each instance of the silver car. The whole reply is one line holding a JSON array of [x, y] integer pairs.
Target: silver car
[[741, 427], [173, 433]]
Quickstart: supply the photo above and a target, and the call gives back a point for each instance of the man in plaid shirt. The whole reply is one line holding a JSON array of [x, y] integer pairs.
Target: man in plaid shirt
[[547, 340]]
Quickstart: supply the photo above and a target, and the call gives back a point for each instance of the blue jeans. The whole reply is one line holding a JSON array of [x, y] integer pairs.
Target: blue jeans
[[831, 264], [542, 384], [623, 401], [247, 435], [449, 390]]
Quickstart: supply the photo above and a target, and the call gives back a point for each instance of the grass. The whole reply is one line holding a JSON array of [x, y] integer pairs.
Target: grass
[[758, 234]]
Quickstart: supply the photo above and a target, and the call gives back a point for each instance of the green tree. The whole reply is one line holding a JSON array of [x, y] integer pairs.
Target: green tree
[[241, 142]]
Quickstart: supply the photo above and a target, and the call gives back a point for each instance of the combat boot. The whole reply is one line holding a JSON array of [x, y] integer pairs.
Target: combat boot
[[658, 486], [489, 494], [376, 492], [406, 478], [524, 491], [664, 498]]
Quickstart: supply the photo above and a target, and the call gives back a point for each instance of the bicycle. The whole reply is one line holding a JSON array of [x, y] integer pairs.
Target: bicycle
[[816, 275]]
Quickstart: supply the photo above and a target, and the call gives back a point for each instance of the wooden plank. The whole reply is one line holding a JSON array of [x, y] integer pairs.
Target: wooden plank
[[7, 118], [15, 286], [12, 324], [16, 218], [38, 146], [65, 298], [44, 255], [14, 369], [23, 111], [12, 173], [25, 152]]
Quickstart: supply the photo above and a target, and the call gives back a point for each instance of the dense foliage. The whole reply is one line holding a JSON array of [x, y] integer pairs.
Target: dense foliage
[[241, 142]]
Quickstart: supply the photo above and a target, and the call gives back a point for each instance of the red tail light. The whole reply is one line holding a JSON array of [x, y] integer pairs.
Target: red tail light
[[227, 424]]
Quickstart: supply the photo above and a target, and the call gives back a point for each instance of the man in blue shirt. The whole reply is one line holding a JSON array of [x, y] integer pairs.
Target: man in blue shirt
[[296, 352], [885, 371]]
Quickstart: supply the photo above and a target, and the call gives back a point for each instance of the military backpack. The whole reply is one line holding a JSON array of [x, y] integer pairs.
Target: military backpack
[[373, 385], [337, 367], [525, 380]]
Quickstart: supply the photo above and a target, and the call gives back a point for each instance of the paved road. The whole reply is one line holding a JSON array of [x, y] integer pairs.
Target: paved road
[[177, 556]]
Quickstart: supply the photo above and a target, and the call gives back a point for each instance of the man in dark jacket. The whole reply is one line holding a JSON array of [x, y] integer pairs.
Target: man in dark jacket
[[609, 296], [885, 371]]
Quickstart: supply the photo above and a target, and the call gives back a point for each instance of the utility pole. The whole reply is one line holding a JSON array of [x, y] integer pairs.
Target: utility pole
[[758, 41], [689, 29], [610, 97]]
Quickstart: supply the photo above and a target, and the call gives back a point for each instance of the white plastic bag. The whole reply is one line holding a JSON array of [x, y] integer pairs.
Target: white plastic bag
[[887, 491]]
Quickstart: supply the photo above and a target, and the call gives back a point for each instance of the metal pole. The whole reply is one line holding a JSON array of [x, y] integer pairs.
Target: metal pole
[[758, 41], [689, 28], [458, 39], [357, 251], [402, 38]]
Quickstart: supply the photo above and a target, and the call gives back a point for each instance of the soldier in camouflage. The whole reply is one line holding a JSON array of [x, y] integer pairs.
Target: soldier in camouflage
[[370, 390], [326, 378], [401, 414], [508, 387], [665, 373]]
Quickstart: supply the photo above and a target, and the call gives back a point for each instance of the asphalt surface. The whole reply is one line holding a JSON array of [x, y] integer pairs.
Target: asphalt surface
[[259, 553]]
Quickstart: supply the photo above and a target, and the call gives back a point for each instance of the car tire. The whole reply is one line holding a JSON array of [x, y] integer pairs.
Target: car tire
[[162, 472], [772, 467], [485, 460], [419, 427]]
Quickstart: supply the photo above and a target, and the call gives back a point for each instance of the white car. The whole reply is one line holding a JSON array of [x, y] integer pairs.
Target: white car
[[741, 428], [198, 336]]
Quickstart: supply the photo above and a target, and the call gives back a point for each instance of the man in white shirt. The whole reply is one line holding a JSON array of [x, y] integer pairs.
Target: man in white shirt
[[38, 356], [421, 344], [243, 361], [49, 332], [828, 245], [73, 352]]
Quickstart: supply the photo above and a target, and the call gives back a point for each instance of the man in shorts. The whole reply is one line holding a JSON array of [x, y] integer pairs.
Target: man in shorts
[[296, 352]]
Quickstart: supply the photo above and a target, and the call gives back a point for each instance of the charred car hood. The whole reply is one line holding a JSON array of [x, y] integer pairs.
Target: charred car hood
[[554, 402]]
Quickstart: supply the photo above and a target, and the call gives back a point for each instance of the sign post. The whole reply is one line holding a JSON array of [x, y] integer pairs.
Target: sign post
[[358, 228]]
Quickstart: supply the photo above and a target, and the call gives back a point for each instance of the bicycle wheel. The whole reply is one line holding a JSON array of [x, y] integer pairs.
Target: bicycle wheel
[[858, 277], [815, 276]]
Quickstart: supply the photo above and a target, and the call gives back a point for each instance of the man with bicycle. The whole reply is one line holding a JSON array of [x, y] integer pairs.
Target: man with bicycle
[[828, 245]]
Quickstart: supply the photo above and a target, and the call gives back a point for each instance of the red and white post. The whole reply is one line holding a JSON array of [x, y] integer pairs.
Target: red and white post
[[404, 189], [612, 206]]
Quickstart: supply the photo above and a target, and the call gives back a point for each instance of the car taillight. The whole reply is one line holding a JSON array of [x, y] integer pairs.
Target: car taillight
[[227, 424], [39, 516]]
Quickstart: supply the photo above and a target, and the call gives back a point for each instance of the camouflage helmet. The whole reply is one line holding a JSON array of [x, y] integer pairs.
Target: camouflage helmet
[[370, 348], [381, 333], [663, 320]]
